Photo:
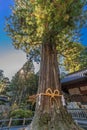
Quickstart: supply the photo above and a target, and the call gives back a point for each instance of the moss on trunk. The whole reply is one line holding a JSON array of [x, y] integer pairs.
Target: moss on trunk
[[58, 119]]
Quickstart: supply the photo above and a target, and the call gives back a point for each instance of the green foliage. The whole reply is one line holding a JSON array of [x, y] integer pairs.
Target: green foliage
[[69, 52], [76, 58], [20, 113], [71, 56], [36, 21], [43, 21], [83, 58]]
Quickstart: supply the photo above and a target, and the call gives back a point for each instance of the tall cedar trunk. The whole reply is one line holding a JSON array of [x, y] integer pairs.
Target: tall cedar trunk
[[50, 114]]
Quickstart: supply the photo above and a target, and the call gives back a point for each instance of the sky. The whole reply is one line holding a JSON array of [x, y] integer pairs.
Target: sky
[[11, 60]]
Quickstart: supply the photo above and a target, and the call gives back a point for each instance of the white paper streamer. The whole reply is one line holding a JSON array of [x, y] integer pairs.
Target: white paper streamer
[[63, 101], [39, 102]]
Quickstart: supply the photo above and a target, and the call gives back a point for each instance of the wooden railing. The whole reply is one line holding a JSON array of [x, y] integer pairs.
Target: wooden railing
[[8, 123], [79, 115]]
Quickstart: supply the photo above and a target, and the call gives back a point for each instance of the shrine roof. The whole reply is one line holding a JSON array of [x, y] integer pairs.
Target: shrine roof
[[78, 75]]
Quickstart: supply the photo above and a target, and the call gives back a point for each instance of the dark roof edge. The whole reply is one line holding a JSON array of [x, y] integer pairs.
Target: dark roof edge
[[73, 81], [75, 72]]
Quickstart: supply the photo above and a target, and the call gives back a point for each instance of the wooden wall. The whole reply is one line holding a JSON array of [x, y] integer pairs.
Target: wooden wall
[[76, 90]]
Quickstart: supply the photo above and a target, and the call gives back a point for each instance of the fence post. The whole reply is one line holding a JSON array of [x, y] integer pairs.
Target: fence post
[[24, 121], [10, 121]]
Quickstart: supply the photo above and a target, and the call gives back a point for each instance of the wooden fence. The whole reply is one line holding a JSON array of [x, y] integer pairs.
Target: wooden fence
[[79, 115], [8, 123]]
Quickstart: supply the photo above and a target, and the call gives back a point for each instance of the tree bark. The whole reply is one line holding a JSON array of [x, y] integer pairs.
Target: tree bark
[[50, 114]]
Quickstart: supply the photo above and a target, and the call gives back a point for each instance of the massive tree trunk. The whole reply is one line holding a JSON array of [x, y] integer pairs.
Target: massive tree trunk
[[50, 113]]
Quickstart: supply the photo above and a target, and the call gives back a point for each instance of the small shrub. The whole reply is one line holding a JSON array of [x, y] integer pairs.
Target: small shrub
[[20, 113]]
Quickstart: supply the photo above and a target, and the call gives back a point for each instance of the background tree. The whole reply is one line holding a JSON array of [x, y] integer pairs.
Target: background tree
[[4, 83], [23, 84], [38, 24], [1, 74]]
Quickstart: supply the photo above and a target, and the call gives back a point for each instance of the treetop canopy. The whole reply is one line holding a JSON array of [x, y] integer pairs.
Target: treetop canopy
[[34, 22]]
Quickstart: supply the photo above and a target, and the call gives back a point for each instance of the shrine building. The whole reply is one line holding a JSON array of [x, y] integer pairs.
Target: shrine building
[[75, 85]]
